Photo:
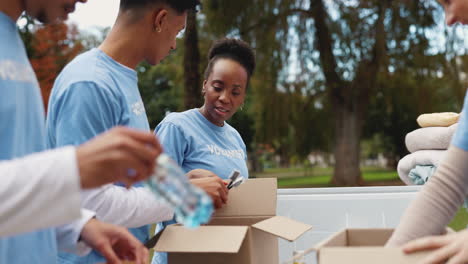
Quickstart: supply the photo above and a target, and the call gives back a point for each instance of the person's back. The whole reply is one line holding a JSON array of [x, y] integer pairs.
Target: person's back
[[21, 115], [94, 93], [98, 90], [93, 77]]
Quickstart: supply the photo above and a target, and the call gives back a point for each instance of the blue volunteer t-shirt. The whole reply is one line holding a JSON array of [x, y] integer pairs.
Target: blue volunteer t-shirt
[[90, 96], [22, 132], [196, 143], [460, 139]]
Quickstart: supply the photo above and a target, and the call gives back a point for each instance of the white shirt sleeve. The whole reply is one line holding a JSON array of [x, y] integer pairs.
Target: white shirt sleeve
[[130, 208], [38, 191], [69, 234]]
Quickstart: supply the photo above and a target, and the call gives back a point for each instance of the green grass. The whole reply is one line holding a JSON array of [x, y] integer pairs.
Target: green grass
[[321, 177], [293, 172], [381, 175], [460, 221]]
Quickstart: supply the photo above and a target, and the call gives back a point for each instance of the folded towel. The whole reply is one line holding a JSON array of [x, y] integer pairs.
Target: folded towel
[[437, 119], [420, 174], [430, 138], [420, 157]]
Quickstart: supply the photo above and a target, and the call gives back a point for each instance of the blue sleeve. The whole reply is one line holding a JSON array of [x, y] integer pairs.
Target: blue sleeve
[[173, 140], [460, 139], [83, 111]]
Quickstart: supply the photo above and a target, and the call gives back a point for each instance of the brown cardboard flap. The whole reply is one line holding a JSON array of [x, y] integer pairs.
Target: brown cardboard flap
[[368, 237], [283, 227], [357, 237], [255, 197], [205, 239], [339, 239], [237, 221], [367, 255]]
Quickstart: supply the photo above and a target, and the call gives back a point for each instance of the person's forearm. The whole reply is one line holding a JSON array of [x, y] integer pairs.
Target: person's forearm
[[38, 191], [68, 235], [132, 207], [437, 202]]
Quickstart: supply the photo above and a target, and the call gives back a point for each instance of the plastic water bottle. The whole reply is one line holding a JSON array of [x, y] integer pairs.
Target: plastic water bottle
[[192, 206]]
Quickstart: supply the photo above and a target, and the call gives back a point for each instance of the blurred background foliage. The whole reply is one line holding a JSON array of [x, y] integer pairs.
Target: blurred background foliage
[[339, 83]]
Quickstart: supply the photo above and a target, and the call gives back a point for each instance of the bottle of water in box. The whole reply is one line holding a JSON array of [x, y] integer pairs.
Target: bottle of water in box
[[192, 206]]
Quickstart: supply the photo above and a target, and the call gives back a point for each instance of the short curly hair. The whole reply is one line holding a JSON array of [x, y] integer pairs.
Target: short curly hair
[[179, 5], [234, 49]]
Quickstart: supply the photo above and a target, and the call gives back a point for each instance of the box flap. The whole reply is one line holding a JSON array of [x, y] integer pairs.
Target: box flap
[[255, 197], [357, 237], [237, 221], [283, 227], [367, 255], [339, 239], [205, 239], [368, 237]]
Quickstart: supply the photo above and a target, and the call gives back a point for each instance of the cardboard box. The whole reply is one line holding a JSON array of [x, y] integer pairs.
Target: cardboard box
[[244, 231], [361, 246]]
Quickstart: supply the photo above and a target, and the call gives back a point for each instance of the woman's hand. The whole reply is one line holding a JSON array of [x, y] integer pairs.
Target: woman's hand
[[449, 249], [213, 185]]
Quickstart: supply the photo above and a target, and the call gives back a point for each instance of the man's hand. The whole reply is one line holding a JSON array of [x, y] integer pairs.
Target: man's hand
[[450, 249], [114, 243], [213, 185], [122, 154]]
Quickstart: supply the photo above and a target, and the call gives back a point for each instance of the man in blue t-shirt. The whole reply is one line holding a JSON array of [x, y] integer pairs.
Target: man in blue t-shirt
[[99, 90], [38, 188]]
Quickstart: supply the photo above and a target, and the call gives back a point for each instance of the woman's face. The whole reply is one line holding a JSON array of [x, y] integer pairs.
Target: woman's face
[[456, 11], [224, 90]]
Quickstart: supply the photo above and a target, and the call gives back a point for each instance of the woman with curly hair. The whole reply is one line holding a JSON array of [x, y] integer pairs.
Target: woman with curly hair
[[200, 139]]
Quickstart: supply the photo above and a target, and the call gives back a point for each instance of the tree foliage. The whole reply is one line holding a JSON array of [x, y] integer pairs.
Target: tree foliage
[[353, 57], [329, 75], [50, 48]]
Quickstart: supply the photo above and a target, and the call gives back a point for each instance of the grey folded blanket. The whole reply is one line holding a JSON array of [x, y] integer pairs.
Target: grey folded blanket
[[430, 138], [421, 157]]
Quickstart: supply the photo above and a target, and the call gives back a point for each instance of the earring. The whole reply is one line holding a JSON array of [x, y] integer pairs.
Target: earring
[[241, 107], [157, 29]]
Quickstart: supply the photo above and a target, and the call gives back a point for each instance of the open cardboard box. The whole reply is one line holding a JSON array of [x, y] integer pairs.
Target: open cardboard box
[[244, 231], [360, 246]]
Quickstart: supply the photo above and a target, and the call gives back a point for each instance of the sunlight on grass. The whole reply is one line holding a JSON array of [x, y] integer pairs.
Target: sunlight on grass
[[321, 177], [460, 221]]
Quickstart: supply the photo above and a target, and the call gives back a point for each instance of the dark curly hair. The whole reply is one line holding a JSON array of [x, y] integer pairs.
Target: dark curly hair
[[234, 49], [179, 5]]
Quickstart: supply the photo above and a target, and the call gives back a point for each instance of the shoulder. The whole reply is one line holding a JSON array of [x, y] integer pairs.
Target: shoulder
[[230, 130], [180, 118], [181, 123], [86, 70]]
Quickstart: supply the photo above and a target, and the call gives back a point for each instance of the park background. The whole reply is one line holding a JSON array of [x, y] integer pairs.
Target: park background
[[339, 83]]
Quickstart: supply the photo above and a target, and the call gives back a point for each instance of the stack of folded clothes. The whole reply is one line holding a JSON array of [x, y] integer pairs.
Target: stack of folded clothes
[[428, 146]]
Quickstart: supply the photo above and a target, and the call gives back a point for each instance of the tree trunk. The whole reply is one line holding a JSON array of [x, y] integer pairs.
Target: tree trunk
[[349, 99], [192, 83], [347, 149]]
